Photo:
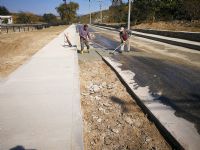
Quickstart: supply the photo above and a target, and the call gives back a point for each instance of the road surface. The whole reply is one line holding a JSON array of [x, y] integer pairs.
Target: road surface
[[172, 73]]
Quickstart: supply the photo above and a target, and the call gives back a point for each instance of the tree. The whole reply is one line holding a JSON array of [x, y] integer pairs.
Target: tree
[[155, 10], [150, 10], [192, 7], [49, 18], [23, 18], [144, 10], [4, 11], [169, 9], [68, 11], [118, 13], [26, 18], [5, 21]]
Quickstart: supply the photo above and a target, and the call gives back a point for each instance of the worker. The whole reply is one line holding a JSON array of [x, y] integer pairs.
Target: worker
[[124, 37], [84, 37]]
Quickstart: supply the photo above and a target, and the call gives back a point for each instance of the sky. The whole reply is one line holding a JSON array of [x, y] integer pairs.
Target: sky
[[48, 6]]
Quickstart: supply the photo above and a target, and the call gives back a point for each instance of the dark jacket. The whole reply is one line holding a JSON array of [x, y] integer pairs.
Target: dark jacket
[[124, 35]]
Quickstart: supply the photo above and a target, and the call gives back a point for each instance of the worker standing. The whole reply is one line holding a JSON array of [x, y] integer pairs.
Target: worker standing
[[124, 37]]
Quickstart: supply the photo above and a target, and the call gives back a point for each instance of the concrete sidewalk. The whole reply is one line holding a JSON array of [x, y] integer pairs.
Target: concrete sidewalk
[[40, 101]]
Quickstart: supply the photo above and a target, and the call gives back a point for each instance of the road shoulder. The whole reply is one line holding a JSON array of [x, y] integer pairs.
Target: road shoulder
[[181, 133]]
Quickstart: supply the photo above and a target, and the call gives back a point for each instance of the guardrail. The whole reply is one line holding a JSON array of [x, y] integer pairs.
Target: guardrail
[[22, 27]]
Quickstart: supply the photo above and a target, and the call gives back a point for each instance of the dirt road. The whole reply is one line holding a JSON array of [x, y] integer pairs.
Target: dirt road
[[16, 48]]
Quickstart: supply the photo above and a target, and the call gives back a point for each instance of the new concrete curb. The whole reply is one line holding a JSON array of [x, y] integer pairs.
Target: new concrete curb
[[191, 36], [165, 133]]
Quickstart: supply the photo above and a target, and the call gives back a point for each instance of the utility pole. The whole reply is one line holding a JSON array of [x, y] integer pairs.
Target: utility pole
[[100, 5], [129, 14], [90, 12], [129, 19]]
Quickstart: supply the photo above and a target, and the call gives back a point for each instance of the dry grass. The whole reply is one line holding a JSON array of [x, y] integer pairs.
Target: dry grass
[[16, 48], [172, 26]]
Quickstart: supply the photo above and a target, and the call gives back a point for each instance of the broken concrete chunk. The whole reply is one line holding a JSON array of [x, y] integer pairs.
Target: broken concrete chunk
[[128, 120], [84, 94], [104, 84], [107, 140], [97, 98], [96, 88], [106, 104], [110, 86], [115, 130], [99, 120]]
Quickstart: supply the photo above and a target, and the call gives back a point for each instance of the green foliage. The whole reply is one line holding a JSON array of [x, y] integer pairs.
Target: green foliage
[[192, 8], [118, 13], [84, 19], [27, 18], [50, 18], [166, 10], [23, 19], [68, 11], [153, 10], [5, 21], [170, 10], [4, 11], [144, 10]]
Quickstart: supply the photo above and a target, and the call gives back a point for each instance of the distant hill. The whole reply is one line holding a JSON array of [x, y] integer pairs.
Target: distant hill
[[166, 12]]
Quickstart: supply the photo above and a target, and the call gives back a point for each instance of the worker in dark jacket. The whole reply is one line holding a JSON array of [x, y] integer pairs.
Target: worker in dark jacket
[[84, 37], [124, 37]]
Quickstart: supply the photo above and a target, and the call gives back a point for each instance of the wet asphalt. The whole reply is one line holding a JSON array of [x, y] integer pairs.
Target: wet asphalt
[[177, 82]]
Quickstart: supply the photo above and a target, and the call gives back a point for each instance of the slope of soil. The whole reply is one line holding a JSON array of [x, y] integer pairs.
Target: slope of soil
[[172, 26]]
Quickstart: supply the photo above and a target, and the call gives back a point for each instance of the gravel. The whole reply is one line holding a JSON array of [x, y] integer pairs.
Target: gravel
[[112, 119]]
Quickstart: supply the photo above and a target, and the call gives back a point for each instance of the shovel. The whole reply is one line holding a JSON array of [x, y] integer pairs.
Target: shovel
[[67, 40]]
